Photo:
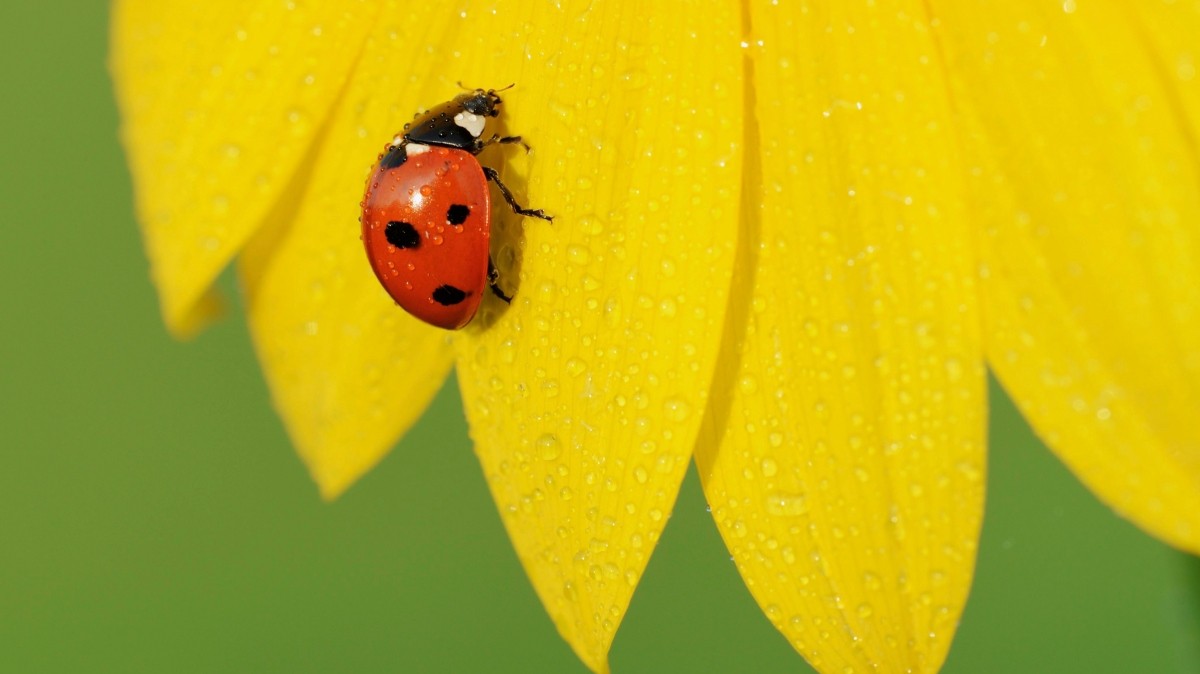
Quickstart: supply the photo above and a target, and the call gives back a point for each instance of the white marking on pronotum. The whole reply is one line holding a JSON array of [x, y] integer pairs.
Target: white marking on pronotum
[[470, 121], [416, 148]]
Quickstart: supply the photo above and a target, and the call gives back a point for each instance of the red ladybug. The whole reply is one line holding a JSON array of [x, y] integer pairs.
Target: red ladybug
[[426, 215]]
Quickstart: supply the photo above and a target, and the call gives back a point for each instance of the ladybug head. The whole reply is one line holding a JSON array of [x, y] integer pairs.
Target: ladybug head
[[461, 123], [480, 102]]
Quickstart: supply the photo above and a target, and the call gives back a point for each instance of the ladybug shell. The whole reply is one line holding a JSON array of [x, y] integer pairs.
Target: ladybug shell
[[426, 225]]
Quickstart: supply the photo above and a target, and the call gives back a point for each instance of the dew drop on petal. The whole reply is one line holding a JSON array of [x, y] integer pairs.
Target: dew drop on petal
[[641, 475], [548, 447], [676, 409], [786, 504], [769, 467], [578, 255], [576, 367]]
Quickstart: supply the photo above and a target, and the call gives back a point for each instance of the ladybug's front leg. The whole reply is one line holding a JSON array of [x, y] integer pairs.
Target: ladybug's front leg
[[493, 279], [493, 176], [502, 140]]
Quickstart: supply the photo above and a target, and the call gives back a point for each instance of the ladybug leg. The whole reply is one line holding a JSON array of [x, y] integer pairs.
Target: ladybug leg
[[517, 208], [493, 279], [503, 140]]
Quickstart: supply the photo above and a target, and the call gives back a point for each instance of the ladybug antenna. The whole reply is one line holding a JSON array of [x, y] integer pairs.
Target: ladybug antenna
[[490, 91]]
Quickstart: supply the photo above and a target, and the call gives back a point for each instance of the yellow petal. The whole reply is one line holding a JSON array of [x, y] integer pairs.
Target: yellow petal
[[1168, 30], [585, 395], [349, 370], [219, 102], [848, 481], [1087, 188]]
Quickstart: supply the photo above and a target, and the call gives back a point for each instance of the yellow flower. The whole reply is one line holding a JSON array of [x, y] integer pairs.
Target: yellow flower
[[789, 237]]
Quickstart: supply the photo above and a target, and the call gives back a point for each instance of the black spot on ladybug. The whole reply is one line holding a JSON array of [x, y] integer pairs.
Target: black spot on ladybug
[[402, 234], [393, 158], [457, 214], [448, 295]]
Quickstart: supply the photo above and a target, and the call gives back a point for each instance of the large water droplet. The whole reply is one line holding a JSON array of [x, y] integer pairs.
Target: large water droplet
[[676, 409], [786, 504], [769, 467], [575, 367], [578, 254], [548, 447]]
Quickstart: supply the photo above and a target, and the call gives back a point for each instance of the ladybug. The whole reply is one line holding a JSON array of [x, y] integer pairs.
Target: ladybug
[[426, 214]]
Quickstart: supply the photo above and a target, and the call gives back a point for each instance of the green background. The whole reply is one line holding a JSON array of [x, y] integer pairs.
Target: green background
[[154, 519]]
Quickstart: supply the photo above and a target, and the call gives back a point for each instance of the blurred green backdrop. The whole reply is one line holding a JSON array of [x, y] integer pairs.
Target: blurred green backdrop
[[154, 519]]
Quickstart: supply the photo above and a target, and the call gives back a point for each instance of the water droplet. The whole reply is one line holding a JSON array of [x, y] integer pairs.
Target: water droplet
[[970, 470], [575, 367], [298, 119], [612, 312], [508, 351], [786, 504], [548, 447], [954, 370], [769, 467], [578, 255], [676, 409], [748, 384], [665, 463]]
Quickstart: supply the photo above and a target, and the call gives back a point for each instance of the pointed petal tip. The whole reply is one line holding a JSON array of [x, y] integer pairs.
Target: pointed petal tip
[[330, 491], [1090, 276], [595, 661], [334, 477], [190, 320]]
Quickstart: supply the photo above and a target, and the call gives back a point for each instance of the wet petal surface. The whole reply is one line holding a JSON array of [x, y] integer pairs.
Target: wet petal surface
[[585, 395], [845, 468], [219, 102], [1081, 129], [349, 371]]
